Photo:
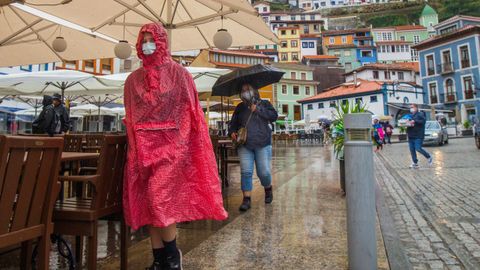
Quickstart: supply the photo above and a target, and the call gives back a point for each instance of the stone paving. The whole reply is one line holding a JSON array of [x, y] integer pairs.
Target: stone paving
[[436, 210]]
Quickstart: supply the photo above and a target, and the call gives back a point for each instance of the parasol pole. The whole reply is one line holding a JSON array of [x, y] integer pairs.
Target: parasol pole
[[169, 21], [221, 108], [208, 112]]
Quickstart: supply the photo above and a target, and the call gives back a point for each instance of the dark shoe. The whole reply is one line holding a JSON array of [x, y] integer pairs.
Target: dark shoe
[[268, 195], [246, 204], [156, 266], [174, 262]]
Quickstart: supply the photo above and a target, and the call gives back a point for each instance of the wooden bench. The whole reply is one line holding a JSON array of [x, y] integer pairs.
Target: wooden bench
[[79, 215], [28, 188]]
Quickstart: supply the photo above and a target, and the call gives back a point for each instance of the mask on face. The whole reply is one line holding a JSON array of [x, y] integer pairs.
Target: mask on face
[[413, 110], [247, 96], [148, 48]]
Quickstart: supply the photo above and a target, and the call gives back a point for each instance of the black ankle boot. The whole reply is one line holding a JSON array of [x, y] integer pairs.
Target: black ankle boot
[[246, 204], [268, 195]]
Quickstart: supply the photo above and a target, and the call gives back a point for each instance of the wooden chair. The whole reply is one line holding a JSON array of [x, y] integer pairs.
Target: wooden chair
[[28, 188], [79, 216], [73, 143]]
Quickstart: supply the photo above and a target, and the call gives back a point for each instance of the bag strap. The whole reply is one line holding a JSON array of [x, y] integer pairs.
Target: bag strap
[[249, 117]]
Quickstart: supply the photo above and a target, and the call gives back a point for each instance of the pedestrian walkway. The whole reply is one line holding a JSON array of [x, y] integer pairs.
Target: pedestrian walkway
[[304, 228], [435, 210]]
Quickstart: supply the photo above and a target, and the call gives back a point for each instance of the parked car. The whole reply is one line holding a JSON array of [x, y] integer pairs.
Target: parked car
[[435, 133]]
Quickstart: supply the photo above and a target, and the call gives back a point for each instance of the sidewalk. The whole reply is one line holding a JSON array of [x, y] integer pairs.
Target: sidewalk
[[304, 228]]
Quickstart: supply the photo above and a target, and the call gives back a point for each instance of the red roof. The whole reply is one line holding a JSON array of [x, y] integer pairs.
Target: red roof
[[328, 57], [465, 31], [408, 66], [233, 52], [288, 28], [347, 89], [343, 32], [309, 35]]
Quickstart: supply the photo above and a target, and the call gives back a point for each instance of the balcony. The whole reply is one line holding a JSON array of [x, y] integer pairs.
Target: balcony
[[430, 71], [433, 99], [449, 98], [469, 94], [446, 68], [465, 63]]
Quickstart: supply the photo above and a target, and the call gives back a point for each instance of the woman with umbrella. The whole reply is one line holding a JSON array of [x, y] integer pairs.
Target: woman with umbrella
[[171, 174], [250, 125]]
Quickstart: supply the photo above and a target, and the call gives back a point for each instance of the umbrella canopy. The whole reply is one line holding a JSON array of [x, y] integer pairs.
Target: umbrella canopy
[[204, 78], [27, 39], [33, 112], [67, 82], [198, 20], [258, 76], [90, 109]]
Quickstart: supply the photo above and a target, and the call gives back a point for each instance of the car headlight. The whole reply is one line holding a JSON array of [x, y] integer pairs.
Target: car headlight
[[435, 134]]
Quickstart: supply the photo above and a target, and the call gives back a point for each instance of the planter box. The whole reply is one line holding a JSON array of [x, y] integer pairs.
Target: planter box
[[467, 132]]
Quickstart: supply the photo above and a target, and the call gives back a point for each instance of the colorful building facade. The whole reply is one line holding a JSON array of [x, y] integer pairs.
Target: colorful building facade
[[289, 49]]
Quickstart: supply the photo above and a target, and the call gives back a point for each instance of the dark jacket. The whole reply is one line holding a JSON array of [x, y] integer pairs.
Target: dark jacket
[[62, 114], [418, 129], [259, 133], [47, 120]]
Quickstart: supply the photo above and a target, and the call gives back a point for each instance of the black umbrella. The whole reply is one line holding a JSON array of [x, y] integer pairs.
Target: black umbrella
[[258, 76]]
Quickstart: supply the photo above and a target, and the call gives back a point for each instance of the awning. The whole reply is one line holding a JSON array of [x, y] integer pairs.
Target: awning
[[421, 107]]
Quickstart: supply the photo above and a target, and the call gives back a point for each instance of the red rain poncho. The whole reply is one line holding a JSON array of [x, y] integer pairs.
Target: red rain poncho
[[171, 174]]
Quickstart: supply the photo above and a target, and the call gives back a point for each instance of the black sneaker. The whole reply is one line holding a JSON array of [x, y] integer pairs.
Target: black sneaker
[[156, 266], [268, 195], [174, 262], [246, 204]]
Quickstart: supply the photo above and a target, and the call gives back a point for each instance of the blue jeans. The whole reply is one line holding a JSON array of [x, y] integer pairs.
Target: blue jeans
[[415, 146], [262, 157]]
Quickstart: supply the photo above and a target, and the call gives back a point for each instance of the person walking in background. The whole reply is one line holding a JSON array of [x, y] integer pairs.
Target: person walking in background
[[416, 134], [378, 135], [171, 174], [46, 121], [63, 126], [255, 115], [388, 128]]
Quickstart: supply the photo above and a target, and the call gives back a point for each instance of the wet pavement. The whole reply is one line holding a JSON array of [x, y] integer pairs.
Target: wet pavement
[[435, 210], [304, 228]]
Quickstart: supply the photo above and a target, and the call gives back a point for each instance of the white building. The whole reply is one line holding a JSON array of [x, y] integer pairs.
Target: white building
[[329, 3], [309, 44], [394, 51], [306, 4], [27, 68], [380, 98], [398, 72], [262, 7]]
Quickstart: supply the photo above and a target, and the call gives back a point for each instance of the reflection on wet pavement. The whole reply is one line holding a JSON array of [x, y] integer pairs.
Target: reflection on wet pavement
[[304, 228]]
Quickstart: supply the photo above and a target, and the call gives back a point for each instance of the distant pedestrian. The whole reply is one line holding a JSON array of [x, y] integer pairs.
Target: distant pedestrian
[[47, 121], [63, 125], [388, 128], [378, 134], [416, 134]]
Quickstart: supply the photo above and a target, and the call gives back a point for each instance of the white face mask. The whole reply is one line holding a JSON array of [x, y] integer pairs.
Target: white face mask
[[412, 110], [148, 48]]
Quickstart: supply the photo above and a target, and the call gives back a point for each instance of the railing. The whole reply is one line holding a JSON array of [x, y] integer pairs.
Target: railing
[[449, 98], [446, 68], [465, 63], [469, 94], [431, 71], [433, 99]]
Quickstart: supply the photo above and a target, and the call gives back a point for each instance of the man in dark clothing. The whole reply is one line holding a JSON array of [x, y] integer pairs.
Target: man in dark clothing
[[62, 114], [416, 134], [47, 120]]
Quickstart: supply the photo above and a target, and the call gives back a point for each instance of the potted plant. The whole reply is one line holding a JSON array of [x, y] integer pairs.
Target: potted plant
[[467, 128], [402, 136], [338, 134]]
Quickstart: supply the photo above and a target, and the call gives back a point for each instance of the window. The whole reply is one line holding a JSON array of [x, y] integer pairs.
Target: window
[[347, 53], [310, 107], [337, 53], [292, 17], [296, 90], [284, 89], [284, 56], [284, 44], [359, 100], [447, 64], [401, 76], [344, 102], [386, 74], [283, 32], [307, 90], [373, 99], [430, 65], [311, 45], [295, 56], [348, 66], [306, 29], [285, 108], [312, 17], [316, 28], [375, 74], [304, 45], [332, 40], [344, 40], [402, 38], [293, 43], [294, 32], [302, 17], [278, 18], [468, 87], [433, 93], [366, 53], [320, 105], [450, 91], [264, 9], [303, 76], [379, 36], [293, 75], [464, 56], [333, 104], [416, 39]]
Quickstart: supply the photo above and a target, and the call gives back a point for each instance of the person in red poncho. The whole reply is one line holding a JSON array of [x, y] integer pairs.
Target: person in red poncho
[[171, 174]]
